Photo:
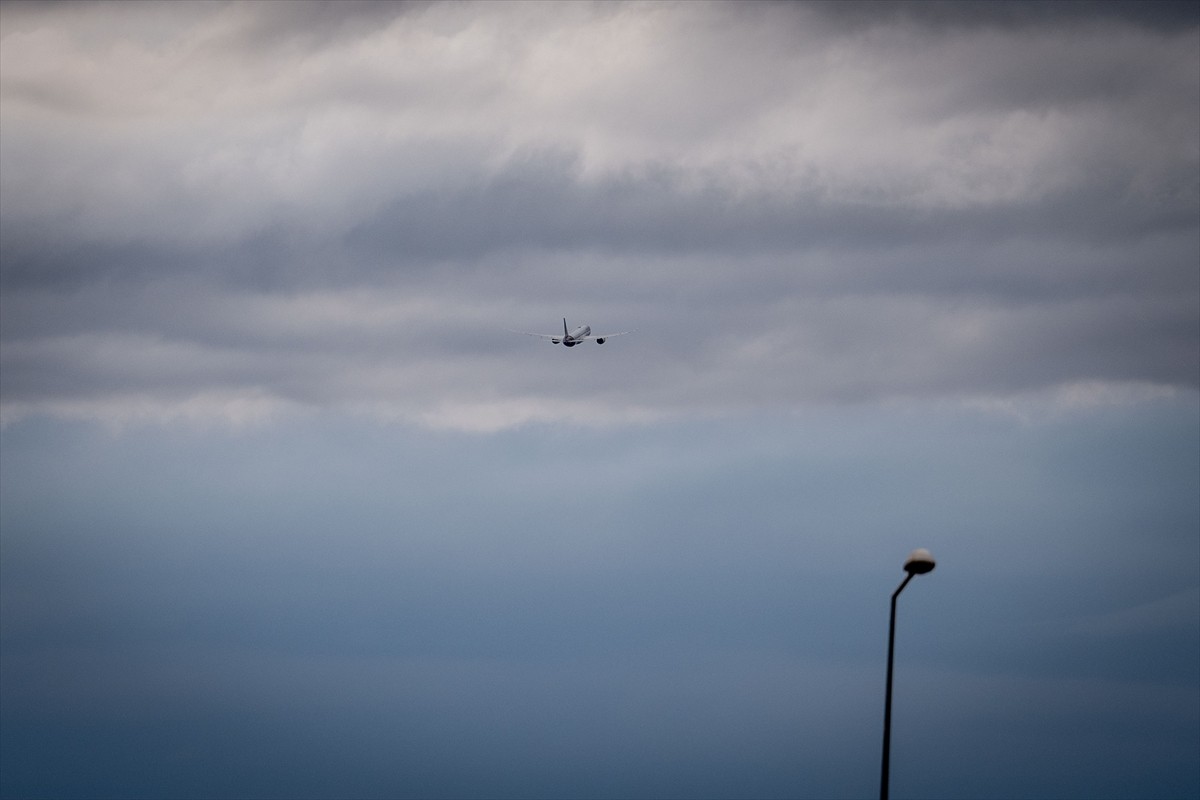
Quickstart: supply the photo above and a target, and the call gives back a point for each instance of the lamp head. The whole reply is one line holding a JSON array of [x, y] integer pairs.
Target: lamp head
[[919, 562]]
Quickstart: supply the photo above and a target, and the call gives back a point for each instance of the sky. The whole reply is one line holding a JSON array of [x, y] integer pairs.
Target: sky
[[287, 509]]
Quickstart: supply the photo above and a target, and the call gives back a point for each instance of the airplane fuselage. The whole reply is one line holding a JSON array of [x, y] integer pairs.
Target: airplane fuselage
[[576, 336]]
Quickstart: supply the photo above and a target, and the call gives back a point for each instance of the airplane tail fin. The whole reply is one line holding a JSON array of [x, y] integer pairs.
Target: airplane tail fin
[[564, 326]]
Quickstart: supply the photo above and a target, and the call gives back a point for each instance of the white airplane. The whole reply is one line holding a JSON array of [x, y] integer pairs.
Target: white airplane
[[572, 338]]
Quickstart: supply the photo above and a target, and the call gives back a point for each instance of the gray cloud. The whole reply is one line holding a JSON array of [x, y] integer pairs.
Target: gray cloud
[[320, 205]]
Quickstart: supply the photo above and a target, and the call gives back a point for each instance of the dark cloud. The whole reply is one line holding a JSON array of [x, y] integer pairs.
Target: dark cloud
[[1160, 15]]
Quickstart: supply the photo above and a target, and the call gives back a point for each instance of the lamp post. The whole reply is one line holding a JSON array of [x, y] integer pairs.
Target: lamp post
[[918, 563]]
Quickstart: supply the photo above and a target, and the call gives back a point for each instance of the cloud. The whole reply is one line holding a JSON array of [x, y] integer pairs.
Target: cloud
[[760, 99], [344, 206]]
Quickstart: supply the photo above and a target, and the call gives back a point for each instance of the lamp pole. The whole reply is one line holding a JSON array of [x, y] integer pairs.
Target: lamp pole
[[918, 563]]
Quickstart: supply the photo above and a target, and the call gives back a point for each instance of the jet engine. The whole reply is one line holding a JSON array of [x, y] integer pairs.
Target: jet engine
[[599, 340]]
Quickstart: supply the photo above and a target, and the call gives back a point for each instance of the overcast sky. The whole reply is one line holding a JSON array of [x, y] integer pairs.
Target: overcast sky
[[289, 511]]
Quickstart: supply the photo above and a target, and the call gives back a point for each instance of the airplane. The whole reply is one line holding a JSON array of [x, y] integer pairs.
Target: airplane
[[577, 336]]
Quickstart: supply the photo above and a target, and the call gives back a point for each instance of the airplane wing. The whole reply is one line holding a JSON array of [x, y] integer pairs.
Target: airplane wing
[[554, 337], [603, 335]]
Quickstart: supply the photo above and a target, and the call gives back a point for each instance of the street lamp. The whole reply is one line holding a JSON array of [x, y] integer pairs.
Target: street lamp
[[919, 562]]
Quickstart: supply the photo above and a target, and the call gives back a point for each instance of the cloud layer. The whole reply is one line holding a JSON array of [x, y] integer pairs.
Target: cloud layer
[[302, 205]]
